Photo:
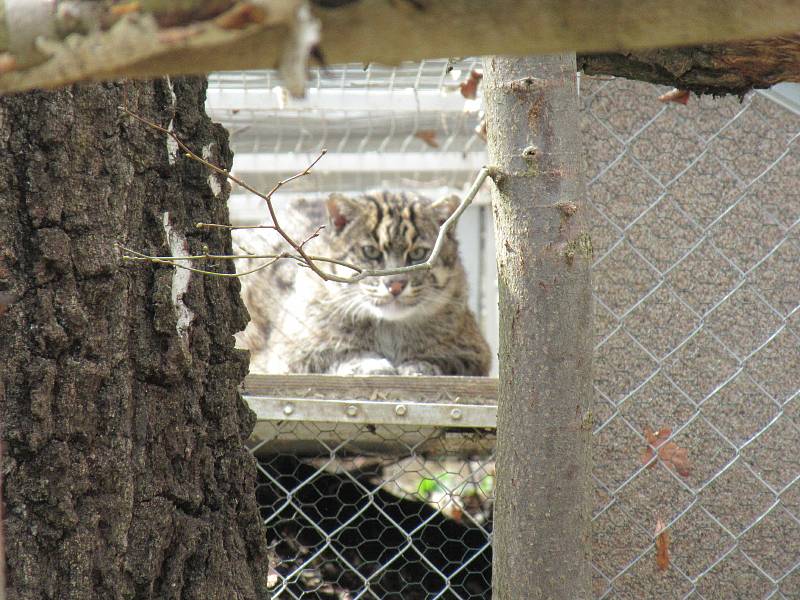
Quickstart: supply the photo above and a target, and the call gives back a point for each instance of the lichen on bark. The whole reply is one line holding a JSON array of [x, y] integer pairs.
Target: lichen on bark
[[580, 246]]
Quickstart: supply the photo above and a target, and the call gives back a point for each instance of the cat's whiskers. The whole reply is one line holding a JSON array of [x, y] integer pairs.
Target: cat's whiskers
[[352, 309], [349, 307]]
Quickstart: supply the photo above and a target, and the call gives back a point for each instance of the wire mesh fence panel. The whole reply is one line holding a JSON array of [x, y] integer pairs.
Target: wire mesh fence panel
[[348, 524], [695, 218], [383, 126], [695, 213]]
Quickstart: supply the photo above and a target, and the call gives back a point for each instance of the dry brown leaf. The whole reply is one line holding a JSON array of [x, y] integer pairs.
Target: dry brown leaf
[[670, 453], [662, 545], [469, 87], [428, 136], [240, 16], [676, 95]]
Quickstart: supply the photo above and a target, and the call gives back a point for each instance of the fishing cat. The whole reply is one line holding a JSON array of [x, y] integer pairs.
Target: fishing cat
[[417, 323]]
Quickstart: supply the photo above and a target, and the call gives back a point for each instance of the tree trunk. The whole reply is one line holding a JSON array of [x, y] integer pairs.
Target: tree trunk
[[542, 509], [125, 471]]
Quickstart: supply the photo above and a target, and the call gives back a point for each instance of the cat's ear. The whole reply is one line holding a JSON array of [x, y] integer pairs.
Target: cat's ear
[[444, 207], [341, 210]]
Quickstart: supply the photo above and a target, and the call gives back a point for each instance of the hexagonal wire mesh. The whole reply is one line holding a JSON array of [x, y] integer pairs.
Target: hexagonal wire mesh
[[695, 217], [344, 524]]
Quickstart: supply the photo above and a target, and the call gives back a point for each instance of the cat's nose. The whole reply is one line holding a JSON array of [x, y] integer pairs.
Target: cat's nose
[[396, 286]]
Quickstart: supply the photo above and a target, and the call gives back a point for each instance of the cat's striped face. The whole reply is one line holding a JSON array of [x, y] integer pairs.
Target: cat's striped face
[[383, 230]]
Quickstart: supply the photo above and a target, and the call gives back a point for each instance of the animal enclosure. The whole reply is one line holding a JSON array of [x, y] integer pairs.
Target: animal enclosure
[[695, 218]]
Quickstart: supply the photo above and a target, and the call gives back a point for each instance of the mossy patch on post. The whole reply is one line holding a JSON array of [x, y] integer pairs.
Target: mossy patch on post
[[581, 245]]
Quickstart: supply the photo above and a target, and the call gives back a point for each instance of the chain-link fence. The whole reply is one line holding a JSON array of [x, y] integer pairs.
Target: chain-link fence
[[695, 214], [697, 277]]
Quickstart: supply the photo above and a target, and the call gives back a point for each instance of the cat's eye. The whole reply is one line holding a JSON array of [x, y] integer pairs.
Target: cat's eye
[[418, 254], [371, 252]]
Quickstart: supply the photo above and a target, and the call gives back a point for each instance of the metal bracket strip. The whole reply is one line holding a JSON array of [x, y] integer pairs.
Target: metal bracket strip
[[268, 408]]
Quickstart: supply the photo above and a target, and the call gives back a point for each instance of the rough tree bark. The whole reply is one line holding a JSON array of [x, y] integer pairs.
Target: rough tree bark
[[125, 475], [731, 68], [542, 508]]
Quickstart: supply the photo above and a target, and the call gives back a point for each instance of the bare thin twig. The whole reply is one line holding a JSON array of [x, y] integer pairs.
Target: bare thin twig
[[266, 197], [483, 173], [231, 227], [302, 257], [138, 256], [305, 259], [312, 236], [173, 260]]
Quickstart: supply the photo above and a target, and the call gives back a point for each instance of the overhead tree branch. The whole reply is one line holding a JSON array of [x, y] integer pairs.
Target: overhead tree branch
[[732, 68], [45, 44], [88, 40]]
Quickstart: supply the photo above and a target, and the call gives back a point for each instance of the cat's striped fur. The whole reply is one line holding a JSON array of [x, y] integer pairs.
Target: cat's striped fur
[[417, 323]]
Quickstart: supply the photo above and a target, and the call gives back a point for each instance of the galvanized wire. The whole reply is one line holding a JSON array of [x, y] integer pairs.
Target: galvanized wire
[[696, 211], [345, 524], [695, 214]]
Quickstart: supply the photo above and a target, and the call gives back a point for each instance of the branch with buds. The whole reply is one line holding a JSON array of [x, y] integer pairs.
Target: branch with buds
[[297, 252]]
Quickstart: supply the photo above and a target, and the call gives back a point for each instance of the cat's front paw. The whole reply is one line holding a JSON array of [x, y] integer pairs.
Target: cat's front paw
[[365, 366], [420, 367]]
